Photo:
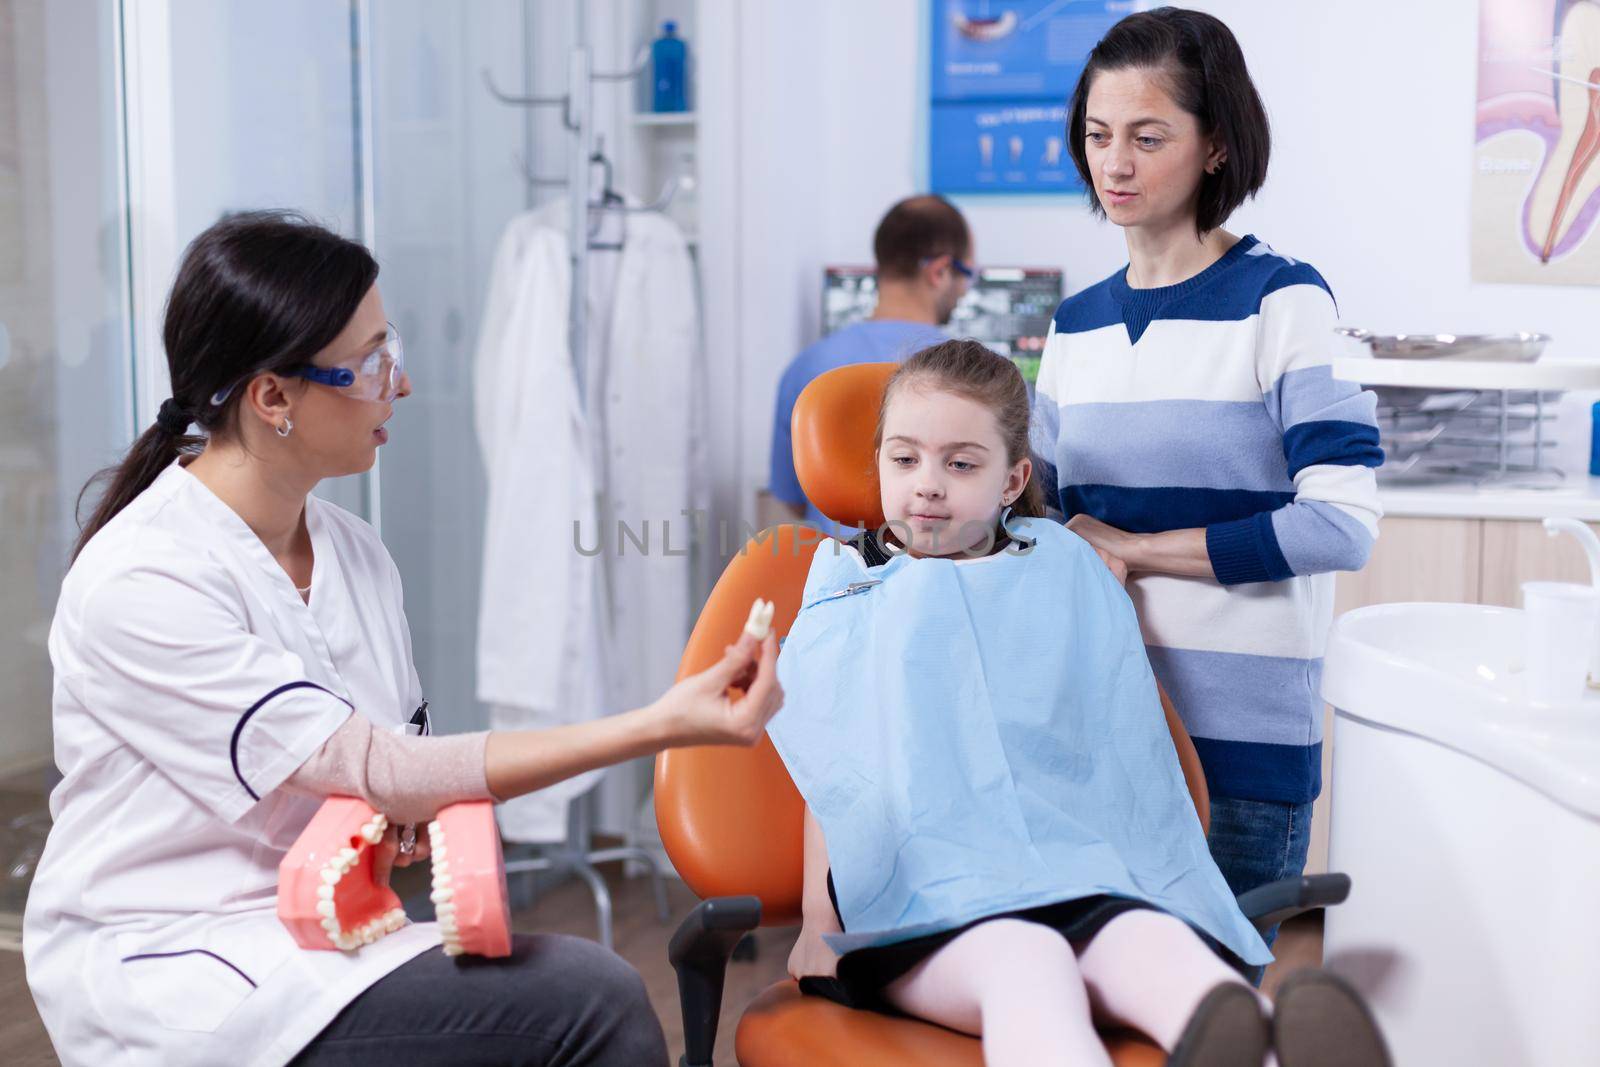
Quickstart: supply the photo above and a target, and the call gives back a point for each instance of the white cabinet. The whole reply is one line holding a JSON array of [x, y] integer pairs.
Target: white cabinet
[[1459, 560]]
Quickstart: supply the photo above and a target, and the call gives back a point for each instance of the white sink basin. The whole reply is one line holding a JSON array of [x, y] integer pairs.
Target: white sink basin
[[1453, 673], [1468, 820]]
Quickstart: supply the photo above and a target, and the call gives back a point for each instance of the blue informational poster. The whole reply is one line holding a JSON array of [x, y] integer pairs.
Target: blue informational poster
[[1002, 73]]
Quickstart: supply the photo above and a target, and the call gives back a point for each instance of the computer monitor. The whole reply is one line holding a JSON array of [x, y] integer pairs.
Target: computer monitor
[[1007, 308]]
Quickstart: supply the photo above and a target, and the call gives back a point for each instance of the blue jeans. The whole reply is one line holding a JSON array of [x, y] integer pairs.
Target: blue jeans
[[1259, 841]]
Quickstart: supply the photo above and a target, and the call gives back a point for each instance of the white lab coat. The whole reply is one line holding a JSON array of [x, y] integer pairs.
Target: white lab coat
[[654, 395], [190, 681], [541, 637], [640, 437]]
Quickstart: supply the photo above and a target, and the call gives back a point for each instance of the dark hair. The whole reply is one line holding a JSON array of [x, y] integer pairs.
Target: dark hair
[[918, 229], [257, 292], [1205, 74], [969, 369]]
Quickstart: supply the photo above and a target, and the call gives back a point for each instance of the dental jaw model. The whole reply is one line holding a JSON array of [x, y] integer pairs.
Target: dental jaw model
[[1571, 176], [328, 897], [469, 881]]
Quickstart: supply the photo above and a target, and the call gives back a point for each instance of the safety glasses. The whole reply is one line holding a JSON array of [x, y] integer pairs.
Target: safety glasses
[[375, 376]]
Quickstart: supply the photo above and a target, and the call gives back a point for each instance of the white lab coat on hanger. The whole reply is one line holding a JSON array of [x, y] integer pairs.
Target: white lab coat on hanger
[[641, 438], [655, 464], [190, 681], [541, 638]]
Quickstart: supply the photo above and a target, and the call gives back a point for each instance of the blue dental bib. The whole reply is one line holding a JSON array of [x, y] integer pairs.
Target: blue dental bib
[[982, 736]]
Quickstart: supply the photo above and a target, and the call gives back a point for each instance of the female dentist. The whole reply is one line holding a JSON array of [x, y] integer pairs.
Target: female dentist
[[1188, 406], [228, 650]]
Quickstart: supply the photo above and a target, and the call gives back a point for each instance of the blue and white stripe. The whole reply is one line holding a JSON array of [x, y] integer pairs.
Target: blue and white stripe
[[1212, 404]]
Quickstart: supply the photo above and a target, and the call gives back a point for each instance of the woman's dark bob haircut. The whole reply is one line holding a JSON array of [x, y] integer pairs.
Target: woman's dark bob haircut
[[1205, 74]]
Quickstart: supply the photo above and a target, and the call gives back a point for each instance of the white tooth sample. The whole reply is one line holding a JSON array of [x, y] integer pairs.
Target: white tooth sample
[[330, 875], [453, 950], [759, 624], [331, 924], [444, 911], [1571, 172], [439, 896], [324, 892], [325, 909], [348, 855], [434, 829], [439, 853]]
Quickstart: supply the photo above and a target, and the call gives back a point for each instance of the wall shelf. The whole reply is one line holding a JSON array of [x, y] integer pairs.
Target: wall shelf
[[664, 118]]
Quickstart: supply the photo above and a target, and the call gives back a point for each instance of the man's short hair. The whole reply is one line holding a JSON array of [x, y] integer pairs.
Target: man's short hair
[[915, 230]]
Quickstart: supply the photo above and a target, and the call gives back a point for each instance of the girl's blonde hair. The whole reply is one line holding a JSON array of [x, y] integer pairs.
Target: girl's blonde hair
[[969, 369]]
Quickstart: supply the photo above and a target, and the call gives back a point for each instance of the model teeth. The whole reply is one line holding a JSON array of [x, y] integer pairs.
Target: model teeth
[[339, 865], [372, 832], [443, 895]]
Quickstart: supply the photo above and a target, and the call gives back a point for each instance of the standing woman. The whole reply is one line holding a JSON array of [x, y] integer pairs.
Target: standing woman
[[228, 651], [1188, 406]]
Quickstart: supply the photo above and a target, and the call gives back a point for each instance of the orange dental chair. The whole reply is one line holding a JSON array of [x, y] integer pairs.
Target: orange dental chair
[[732, 821]]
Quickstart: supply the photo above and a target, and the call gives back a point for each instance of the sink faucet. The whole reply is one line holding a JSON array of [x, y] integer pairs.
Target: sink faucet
[[1591, 548]]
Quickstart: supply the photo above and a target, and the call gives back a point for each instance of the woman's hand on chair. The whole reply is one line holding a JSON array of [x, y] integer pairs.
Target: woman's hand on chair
[[811, 956], [703, 711]]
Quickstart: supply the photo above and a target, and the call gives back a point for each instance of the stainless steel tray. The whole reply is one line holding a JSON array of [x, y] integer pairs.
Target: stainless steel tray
[[1482, 347]]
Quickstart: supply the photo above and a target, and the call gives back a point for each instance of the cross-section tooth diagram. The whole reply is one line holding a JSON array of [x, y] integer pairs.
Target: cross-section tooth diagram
[[1536, 190]]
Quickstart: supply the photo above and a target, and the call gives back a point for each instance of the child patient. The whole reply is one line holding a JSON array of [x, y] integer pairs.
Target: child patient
[[998, 834]]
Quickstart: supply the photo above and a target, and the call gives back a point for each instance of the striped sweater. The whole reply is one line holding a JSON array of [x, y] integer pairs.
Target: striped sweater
[[1212, 404]]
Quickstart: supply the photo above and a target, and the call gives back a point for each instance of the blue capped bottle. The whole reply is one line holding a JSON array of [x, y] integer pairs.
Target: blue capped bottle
[[669, 62]]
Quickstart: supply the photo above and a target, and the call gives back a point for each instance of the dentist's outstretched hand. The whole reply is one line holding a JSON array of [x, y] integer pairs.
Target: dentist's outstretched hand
[[705, 712]]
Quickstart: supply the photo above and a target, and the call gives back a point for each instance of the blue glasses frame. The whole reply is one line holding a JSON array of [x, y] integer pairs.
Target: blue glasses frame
[[966, 270], [337, 377]]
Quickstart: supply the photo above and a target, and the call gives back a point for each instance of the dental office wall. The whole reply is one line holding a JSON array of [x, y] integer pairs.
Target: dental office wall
[[65, 390], [1372, 109]]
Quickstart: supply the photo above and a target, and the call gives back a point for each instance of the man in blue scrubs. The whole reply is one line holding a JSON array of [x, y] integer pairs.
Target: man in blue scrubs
[[925, 263]]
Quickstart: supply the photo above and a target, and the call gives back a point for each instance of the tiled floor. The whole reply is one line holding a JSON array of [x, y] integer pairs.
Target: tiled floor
[[639, 938]]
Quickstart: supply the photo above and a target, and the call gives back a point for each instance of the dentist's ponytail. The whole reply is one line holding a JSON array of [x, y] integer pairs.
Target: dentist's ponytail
[[258, 292]]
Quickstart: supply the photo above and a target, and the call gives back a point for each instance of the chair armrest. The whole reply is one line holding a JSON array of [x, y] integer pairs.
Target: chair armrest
[[699, 952], [1268, 905]]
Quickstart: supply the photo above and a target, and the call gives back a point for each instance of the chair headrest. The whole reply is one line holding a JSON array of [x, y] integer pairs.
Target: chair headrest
[[834, 421]]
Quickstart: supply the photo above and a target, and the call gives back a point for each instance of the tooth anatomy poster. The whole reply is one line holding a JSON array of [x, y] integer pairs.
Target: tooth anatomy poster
[[1002, 71], [1536, 182]]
